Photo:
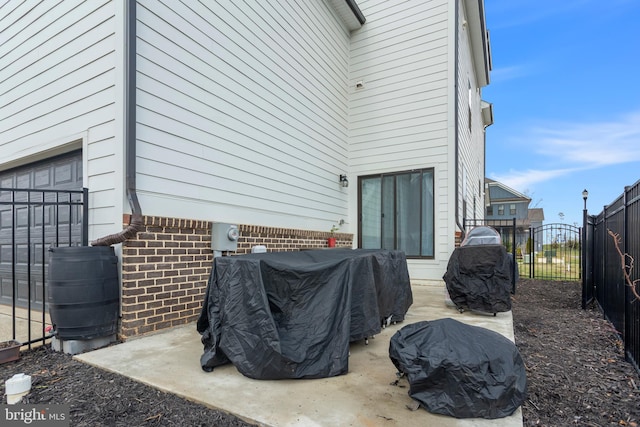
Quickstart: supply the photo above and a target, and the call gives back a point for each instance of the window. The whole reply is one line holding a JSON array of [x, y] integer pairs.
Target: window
[[396, 212], [512, 209], [489, 210], [500, 209]]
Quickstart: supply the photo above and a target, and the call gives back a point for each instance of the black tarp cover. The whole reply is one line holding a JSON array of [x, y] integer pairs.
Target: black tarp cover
[[480, 278], [460, 370], [292, 314]]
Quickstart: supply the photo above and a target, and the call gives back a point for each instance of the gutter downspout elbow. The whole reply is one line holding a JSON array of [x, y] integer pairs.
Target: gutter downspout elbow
[[136, 223], [129, 232]]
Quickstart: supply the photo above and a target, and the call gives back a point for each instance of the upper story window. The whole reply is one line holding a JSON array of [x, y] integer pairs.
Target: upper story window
[[512, 209], [489, 210], [500, 209]]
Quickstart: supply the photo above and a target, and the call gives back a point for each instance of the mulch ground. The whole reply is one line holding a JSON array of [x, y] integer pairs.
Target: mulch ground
[[576, 370], [575, 366], [100, 398]]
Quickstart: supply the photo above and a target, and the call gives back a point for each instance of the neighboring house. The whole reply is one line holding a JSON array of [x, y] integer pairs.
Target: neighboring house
[[185, 113], [536, 218], [503, 205]]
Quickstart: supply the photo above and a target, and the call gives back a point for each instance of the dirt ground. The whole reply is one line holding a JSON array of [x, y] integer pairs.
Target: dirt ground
[[575, 368]]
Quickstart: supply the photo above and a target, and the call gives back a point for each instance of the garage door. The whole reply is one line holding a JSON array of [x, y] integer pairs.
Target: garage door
[[28, 226]]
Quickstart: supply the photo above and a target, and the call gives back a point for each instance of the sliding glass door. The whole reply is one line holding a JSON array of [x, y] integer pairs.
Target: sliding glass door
[[396, 212]]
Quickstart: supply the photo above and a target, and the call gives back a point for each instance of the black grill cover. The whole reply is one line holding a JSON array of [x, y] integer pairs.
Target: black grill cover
[[480, 278], [460, 370], [293, 314]]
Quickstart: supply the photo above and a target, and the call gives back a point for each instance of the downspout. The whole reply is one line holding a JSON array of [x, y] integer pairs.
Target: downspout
[[456, 124], [136, 224]]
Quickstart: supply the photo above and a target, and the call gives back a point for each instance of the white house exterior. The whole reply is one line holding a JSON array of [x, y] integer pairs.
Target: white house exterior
[[248, 112]]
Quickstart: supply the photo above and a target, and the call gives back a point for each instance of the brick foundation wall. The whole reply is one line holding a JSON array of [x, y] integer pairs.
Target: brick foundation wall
[[284, 239], [166, 267], [164, 274]]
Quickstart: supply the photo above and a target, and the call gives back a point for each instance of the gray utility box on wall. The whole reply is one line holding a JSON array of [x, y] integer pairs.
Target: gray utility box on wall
[[224, 237]]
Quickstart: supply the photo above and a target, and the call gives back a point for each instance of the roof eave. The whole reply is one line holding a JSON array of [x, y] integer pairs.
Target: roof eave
[[480, 43], [349, 13]]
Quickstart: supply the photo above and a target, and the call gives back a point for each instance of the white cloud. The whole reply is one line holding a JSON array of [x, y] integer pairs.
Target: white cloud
[[591, 145], [569, 148], [520, 180]]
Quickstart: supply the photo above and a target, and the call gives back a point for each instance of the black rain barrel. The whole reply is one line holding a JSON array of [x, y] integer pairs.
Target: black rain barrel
[[84, 291]]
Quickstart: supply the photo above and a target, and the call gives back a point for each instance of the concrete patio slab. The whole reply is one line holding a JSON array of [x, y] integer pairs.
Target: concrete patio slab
[[26, 327], [170, 361]]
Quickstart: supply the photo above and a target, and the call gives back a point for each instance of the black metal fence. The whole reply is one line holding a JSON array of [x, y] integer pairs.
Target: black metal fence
[[616, 227], [31, 221]]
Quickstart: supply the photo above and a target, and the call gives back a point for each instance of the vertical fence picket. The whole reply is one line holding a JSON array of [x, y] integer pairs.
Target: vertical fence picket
[[613, 294]]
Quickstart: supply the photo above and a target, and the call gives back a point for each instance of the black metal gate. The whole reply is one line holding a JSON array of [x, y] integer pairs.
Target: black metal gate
[[548, 252], [553, 252], [30, 222]]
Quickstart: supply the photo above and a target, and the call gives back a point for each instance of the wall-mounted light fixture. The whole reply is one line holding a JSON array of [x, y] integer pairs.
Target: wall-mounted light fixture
[[344, 182]]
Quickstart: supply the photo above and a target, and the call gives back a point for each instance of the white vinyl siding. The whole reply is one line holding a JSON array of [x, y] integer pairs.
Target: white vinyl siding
[[242, 112], [471, 135], [57, 91], [248, 112], [399, 120], [401, 113]]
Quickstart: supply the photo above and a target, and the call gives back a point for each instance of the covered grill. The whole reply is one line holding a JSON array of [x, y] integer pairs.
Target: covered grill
[[479, 274]]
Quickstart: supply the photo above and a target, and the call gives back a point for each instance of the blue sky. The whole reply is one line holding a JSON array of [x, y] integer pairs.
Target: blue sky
[[565, 89]]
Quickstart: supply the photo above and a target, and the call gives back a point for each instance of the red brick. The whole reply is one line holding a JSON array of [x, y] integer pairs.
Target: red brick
[[132, 276], [134, 323], [133, 308], [145, 298], [163, 310], [163, 325], [146, 329], [128, 292], [170, 316], [144, 313], [154, 319], [135, 244], [154, 274]]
